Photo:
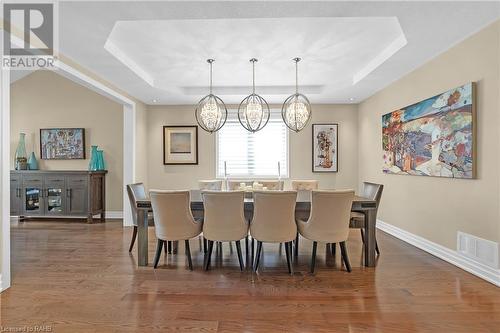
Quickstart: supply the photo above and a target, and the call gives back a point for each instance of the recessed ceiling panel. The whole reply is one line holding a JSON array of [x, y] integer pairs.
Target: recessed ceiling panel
[[337, 52]]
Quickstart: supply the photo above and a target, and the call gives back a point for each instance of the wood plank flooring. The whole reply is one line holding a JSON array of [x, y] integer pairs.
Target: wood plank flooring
[[74, 277]]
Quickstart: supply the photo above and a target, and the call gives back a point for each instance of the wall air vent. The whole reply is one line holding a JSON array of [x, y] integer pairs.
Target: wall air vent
[[478, 249]]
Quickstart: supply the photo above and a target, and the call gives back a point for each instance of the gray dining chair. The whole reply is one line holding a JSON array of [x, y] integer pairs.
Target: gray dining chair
[[137, 192], [371, 191]]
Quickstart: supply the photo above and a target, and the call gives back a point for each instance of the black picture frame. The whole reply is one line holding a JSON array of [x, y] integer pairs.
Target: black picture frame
[[43, 155], [165, 138]]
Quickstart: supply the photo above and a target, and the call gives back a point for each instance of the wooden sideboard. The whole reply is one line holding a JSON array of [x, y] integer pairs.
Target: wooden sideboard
[[52, 193]]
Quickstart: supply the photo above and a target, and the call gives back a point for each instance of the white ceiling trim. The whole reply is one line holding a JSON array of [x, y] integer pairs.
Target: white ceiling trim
[[127, 61], [388, 52]]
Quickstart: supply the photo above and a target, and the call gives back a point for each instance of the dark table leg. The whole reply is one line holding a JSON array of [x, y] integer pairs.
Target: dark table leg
[[370, 222], [142, 237]]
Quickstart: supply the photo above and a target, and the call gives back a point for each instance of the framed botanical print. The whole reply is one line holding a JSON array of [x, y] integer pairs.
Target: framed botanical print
[[62, 143], [325, 148], [180, 145]]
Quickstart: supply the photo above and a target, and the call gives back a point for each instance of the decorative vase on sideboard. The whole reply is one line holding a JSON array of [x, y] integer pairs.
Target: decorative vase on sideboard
[[21, 158], [32, 162], [93, 159]]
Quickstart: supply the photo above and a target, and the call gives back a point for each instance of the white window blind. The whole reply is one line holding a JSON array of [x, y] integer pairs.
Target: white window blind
[[252, 155]]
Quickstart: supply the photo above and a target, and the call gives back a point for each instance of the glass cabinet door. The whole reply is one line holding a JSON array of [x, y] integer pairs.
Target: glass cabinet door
[[55, 201], [32, 200]]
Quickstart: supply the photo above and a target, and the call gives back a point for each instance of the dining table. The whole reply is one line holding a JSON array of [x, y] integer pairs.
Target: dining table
[[366, 206]]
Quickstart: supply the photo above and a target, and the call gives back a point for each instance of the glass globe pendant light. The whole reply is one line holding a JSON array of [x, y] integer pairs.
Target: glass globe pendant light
[[211, 112], [296, 110], [253, 111]]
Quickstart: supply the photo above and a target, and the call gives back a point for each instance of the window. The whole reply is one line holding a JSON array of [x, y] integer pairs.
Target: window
[[252, 155]]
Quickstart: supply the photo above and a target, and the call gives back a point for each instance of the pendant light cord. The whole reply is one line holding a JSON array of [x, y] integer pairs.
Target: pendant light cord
[[253, 76], [296, 77], [296, 74], [210, 61]]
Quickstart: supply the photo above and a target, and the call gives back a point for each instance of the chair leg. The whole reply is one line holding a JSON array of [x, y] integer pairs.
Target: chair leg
[[169, 245], [240, 257], [296, 251], [159, 245], [204, 245], [362, 235], [280, 248], [176, 247], [208, 255], [376, 248], [334, 248], [257, 255], [246, 251], [288, 250], [313, 258], [345, 258], [253, 251], [134, 235], [188, 253]]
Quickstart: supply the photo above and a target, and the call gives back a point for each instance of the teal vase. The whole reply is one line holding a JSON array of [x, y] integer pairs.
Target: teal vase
[[93, 164], [32, 162], [101, 165]]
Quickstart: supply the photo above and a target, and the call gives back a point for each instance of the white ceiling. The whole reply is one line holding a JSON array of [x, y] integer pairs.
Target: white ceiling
[[334, 52], [157, 50]]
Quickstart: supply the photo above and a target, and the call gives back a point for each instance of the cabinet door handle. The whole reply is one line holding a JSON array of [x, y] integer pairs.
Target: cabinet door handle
[[68, 193], [18, 192]]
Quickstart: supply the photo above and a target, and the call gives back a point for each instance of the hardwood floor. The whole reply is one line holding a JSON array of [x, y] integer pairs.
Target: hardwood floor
[[75, 277]]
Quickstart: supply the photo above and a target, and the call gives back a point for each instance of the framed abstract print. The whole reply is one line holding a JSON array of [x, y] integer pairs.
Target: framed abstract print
[[325, 148]]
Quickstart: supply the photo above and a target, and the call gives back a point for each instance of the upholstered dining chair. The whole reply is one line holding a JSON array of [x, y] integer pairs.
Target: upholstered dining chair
[[274, 221], [173, 220], [328, 221], [274, 185], [372, 191], [304, 185], [210, 185], [224, 221], [136, 192]]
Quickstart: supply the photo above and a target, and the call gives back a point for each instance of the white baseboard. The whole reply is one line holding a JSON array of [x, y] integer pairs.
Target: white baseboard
[[110, 214], [3, 284], [485, 272]]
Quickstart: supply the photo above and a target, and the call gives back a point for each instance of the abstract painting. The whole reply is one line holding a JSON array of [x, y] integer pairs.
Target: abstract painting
[[325, 147], [62, 143], [434, 137], [180, 145]]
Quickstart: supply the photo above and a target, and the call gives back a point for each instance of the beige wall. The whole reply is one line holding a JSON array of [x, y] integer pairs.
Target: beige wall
[[436, 208], [44, 99], [178, 177]]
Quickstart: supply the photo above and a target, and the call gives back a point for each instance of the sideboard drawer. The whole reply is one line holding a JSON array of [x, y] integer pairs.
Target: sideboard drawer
[[77, 180]]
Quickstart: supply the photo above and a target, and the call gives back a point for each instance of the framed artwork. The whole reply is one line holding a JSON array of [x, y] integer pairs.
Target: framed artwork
[[434, 137], [325, 147], [180, 145], [62, 143]]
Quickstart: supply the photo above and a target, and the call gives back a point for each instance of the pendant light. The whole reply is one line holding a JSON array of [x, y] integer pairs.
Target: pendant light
[[296, 110], [253, 111], [211, 112]]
